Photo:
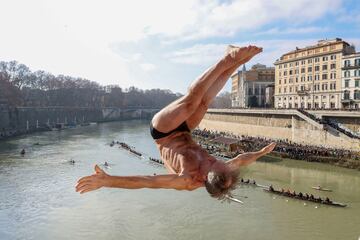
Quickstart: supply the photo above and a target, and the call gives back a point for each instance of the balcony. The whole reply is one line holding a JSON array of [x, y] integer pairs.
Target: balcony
[[303, 92], [350, 66]]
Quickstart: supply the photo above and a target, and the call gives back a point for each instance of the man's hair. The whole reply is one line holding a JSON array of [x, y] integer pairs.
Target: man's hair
[[215, 183]]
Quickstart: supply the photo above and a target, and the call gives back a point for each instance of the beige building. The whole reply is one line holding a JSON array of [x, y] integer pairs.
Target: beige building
[[351, 81], [310, 77], [249, 87]]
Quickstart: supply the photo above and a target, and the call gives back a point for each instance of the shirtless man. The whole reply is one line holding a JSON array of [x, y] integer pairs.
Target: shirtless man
[[189, 166]]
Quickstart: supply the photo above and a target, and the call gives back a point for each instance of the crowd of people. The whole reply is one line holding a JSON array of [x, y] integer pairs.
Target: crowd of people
[[284, 147]]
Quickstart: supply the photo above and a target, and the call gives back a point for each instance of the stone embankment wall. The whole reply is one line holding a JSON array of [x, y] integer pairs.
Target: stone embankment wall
[[23, 119], [284, 124]]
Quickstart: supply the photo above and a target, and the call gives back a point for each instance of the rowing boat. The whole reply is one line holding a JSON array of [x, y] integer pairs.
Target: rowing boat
[[251, 183], [322, 189], [335, 204]]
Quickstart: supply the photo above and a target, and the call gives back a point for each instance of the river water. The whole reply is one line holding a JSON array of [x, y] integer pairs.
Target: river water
[[38, 199]]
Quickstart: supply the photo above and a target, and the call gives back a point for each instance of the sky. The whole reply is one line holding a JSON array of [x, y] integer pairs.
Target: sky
[[161, 43]]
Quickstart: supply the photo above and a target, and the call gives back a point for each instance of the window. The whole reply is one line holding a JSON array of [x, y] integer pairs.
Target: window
[[296, 63], [290, 90], [285, 65], [332, 75], [357, 62], [309, 69], [332, 86], [290, 64], [317, 68], [284, 80], [357, 73], [250, 91], [303, 70], [303, 78], [356, 94], [333, 57], [346, 95], [279, 90], [279, 81], [296, 79], [296, 71], [290, 72], [317, 77], [347, 83], [357, 83], [347, 74], [324, 67], [303, 62], [309, 78], [333, 66], [325, 58], [324, 86], [284, 89], [324, 76], [285, 73], [347, 63], [317, 59], [309, 60]]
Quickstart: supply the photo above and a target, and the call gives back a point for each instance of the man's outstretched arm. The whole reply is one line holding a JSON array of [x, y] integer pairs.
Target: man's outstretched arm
[[102, 179], [247, 158]]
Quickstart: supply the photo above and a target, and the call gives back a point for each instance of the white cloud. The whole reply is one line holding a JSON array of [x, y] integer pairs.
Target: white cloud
[[205, 54], [147, 67], [296, 30]]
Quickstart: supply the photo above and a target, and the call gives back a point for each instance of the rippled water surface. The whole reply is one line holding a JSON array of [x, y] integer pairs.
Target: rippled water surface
[[38, 201]]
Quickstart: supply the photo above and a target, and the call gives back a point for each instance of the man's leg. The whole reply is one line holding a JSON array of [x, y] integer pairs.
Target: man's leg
[[180, 110], [194, 120]]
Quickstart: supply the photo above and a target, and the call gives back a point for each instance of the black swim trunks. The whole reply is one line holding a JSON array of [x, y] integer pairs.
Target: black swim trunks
[[157, 134]]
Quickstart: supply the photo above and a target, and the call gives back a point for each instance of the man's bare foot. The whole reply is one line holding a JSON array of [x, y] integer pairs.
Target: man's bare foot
[[241, 55]]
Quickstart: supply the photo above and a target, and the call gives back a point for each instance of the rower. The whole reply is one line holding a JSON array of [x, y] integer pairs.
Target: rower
[[307, 196], [247, 181], [328, 200], [106, 164], [312, 197], [242, 180], [282, 190], [293, 193], [22, 152], [300, 194], [271, 189], [254, 182]]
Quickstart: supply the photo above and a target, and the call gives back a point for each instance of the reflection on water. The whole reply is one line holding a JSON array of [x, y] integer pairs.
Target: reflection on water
[[38, 201]]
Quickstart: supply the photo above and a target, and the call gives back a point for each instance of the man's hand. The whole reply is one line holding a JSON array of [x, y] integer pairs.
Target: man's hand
[[93, 182], [268, 148], [249, 157]]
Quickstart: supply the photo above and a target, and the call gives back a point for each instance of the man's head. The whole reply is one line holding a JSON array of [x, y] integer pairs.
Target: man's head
[[221, 180]]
